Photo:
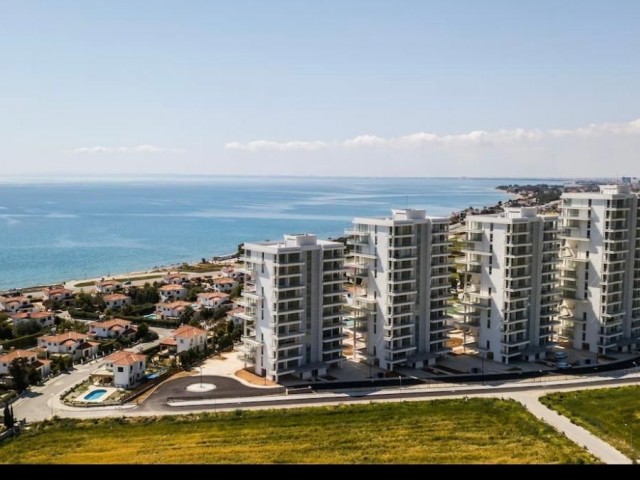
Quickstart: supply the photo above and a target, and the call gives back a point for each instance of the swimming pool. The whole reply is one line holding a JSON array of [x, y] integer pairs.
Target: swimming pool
[[95, 394]]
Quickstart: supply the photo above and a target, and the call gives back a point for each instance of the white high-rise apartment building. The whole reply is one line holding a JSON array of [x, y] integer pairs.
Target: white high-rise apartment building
[[511, 294], [293, 300], [401, 269], [600, 269]]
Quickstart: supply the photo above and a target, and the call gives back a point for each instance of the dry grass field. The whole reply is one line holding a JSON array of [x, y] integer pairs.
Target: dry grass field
[[441, 431]]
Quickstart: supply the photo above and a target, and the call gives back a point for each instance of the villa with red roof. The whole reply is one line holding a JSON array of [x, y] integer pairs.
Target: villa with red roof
[[43, 366], [184, 338], [60, 295], [224, 284], [116, 300], [107, 286], [75, 344], [171, 310], [212, 299], [44, 319], [126, 368], [16, 304], [114, 328], [175, 278], [169, 293]]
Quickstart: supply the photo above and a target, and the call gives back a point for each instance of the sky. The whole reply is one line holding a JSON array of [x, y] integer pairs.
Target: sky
[[341, 88]]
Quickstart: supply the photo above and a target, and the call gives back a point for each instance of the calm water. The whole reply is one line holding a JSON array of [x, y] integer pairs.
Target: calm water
[[60, 231]]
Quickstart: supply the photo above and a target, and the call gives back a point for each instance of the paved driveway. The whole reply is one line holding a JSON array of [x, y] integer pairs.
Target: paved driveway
[[225, 388]]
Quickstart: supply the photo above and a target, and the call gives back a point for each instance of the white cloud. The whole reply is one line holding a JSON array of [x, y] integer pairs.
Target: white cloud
[[424, 139], [278, 146], [146, 148]]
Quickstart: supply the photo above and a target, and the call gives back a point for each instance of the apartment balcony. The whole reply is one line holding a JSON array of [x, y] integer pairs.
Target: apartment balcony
[[576, 214], [248, 317], [476, 302], [328, 324], [475, 248], [250, 342], [511, 320], [439, 273], [440, 328], [573, 234], [549, 323], [400, 348], [288, 335], [402, 291], [409, 313], [518, 253], [519, 287], [403, 257], [391, 336], [277, 322], [288, 311], [333, 337], [513, 342], [513, 329], [394, 280]]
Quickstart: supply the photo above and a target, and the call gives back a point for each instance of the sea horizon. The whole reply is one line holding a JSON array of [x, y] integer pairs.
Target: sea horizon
[[55, 232]]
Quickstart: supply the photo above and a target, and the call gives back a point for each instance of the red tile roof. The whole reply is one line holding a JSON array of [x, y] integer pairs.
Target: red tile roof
[[125, 358], [187, 331]]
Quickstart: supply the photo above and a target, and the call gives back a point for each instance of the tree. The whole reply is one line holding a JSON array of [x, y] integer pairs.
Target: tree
[[143, 330], [19, 370], [28, 328], [34, 376], [9, 419], [6, 332], [187, 315]]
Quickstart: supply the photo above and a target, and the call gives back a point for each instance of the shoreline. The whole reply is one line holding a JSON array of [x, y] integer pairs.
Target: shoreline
[[160, 269]]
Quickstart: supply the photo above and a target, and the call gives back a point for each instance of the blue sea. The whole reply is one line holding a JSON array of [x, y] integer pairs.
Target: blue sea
[[52, 231]]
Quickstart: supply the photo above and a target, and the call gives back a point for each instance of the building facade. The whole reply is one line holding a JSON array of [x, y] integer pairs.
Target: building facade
[[510, 298], [293, 300], [600, 269], [401, 274]]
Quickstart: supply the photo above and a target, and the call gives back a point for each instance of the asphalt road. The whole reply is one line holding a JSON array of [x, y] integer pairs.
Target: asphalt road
[[225, 388]]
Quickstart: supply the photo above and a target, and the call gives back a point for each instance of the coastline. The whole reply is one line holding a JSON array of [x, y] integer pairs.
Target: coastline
[[158, 270]]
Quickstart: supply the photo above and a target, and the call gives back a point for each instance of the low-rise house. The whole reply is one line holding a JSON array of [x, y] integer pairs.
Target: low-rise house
[[44, 319], [175, 278], [224, 284], [169, 293], [115, 328], [106, 287], [63, 296], [128, 368], [16, 304], [116, 300], [74, 344], [43, 366], [230, 272], [171, 310], [234, 316], [190, 337], [212, 299]]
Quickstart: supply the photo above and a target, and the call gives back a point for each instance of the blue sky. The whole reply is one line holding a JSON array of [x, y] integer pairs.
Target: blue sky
[[320, 88]]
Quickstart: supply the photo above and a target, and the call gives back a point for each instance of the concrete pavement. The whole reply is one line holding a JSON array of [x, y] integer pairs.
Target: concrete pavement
[[582, 437]]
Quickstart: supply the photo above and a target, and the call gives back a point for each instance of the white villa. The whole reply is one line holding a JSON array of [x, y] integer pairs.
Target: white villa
[[107, 286], [116, 300], [172, 292], [16, 304], [171, 309], [126, 368], [61, 295], [175, 278], [224, 284], [212, 299], [75, 344], [45, 319], [44, 366], [114, 328]]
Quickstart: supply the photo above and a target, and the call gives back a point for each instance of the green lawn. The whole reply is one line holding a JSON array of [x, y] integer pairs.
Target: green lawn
[[442, 431], [612, 414]]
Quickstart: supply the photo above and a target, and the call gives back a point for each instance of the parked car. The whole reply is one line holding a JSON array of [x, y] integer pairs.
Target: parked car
[[563, 365], [560, 355]]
